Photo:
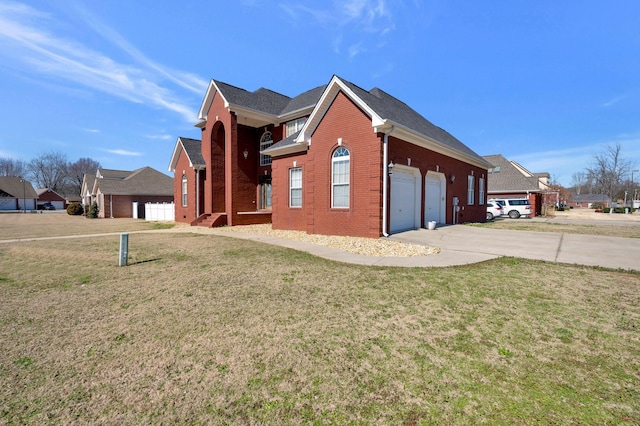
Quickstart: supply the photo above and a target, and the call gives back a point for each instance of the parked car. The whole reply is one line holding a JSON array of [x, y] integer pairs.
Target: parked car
[[493, 210], [46, 206], [514, 207]]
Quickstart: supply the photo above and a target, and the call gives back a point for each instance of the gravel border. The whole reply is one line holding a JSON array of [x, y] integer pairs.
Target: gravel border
[[357, 245]]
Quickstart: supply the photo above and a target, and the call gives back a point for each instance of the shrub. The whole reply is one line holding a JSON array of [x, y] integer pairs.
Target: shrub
[[75, 209], [93, 211]]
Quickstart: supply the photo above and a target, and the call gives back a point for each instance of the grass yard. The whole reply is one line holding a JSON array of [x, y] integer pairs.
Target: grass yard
[[612, 229], [204, 329]]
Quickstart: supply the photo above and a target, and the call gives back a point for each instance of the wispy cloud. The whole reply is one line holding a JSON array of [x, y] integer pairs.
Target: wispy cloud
[[353, 22], [28, 38], [123, 152], [91, 130], [614, 101], [161, 137]]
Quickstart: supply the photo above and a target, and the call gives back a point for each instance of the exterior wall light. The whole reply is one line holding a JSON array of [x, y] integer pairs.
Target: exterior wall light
[[452, 178], [390, 168], [245, 153]]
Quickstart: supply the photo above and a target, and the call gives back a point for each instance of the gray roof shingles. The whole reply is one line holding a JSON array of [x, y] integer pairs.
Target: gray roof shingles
[[385, 105], [193, 148], [143, 181], [508, 178]]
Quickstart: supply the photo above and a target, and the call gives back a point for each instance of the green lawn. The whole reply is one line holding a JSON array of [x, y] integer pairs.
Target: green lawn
[[213, 330]]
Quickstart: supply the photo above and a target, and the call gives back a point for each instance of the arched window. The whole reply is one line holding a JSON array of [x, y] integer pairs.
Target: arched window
[[184, 190], [340, 165], [265, 142]]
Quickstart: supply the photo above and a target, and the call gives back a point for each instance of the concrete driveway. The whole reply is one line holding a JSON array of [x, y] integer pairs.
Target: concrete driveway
[[468, 242]]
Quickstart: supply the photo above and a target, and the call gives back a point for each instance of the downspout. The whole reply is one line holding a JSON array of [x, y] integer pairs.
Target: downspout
[[197, 193], [385, 180], [110, 206]]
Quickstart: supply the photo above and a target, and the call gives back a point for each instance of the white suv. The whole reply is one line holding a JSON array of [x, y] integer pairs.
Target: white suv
[[514, 207]]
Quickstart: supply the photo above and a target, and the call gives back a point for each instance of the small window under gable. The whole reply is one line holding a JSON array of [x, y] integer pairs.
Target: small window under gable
[[265, 142], [294, 126]]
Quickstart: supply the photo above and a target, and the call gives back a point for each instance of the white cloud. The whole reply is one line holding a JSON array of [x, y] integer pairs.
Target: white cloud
[[161, 137], [25, 37], [123, 152], [346, 21]]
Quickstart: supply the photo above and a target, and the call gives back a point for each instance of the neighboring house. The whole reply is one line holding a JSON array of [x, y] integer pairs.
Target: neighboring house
[[336, 160], [17, 194], [510, 179], [86, 193], [589, 200], [48, 195], [121, 193]]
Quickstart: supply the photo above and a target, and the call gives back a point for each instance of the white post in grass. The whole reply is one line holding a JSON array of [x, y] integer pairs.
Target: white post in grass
[[124, 249]]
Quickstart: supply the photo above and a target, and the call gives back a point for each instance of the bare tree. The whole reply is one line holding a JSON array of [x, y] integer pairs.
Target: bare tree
[[609, 169], [49, 171], [77, 171], [11, 167], [579, 181]]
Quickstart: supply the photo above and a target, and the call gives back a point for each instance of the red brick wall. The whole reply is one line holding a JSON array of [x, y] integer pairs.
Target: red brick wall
[[285, 217], [186, 214], [424, 159], [363, 217]]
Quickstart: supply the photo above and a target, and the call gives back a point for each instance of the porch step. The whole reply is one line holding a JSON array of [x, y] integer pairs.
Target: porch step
[[211, 220]]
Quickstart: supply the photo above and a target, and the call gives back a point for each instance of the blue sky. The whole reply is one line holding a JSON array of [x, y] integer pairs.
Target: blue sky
[[544, 83]]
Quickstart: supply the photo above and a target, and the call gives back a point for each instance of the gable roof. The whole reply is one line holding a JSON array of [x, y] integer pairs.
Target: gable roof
[[509, 176], [388, 115], [260, 107], [16, 187], [53, 194], [143, 181], [88, 182], [192, 149]]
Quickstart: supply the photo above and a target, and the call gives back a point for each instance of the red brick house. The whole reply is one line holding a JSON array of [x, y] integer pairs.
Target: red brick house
[[508, 179], [334, 160], [48, 195]]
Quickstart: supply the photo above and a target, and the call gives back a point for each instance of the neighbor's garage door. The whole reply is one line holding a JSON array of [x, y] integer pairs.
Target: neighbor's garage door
[[59, 205], [403, 201]]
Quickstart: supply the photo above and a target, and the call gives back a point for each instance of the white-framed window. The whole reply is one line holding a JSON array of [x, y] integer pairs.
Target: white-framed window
[[481, 190], [340, 171], [265, 142], [294, 125], [295, 187], [184, 190], [470, 190]]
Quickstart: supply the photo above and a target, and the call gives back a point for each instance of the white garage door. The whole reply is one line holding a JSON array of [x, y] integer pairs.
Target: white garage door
[[59, 205], [404, 202], [433, 200]]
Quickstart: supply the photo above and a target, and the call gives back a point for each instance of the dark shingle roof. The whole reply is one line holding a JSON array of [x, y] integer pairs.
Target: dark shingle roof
[[143, 181], [264, 100], [307, 99], [193, 148], [507, 178], [391, 108]]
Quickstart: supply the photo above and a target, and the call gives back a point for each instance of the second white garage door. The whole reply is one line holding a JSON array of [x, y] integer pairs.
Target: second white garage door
[[405, 200]]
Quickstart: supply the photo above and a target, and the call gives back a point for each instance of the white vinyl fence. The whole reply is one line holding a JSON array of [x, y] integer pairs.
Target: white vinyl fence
[[159, 211]]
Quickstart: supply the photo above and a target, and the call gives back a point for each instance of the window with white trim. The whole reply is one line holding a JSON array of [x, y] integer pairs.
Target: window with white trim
[[340, 182], [265, 142], [294, 125], [470, 190], [481, 190], [184, 190], [295, 187]]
